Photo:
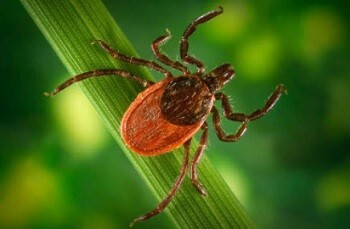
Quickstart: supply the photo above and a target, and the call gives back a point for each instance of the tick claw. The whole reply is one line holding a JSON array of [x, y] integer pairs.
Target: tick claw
[[283, 88], [47, 94], [168, 32], [204, 192], [135, 221], [200, 189], [95, 41]]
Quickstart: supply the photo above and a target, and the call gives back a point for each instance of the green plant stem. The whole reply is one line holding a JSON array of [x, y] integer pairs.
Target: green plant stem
[[70, 26]]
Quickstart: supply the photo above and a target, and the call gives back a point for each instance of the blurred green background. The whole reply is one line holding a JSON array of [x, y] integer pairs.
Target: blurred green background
[[59, 166]]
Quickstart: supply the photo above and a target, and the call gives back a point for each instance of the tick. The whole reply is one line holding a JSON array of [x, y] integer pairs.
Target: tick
[[167, 114]]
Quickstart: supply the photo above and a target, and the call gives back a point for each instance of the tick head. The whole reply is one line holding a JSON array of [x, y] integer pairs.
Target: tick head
[[218, 77]]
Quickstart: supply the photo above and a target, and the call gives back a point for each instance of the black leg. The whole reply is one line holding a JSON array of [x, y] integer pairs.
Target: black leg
[[220, 132], [196, 159], [188, 32], [270, 103], [241, 117], [133, 60], [163, 58], [162, 205], [98, 73]]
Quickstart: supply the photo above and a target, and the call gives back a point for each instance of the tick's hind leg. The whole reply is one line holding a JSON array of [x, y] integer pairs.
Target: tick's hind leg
[[133, 60], [188, 32], [98, 73], [163, 58], [197, 157], [162, 205]]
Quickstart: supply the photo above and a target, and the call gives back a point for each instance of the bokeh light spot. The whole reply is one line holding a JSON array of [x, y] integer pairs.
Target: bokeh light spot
[[81, 126], [236, 180], [28, 189], [98, 221], [231, 24], [258, 58], [338, 112], [322, 30], [334, 190]]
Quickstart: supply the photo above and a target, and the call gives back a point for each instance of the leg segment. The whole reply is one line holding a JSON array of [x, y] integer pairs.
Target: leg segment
[[97, 73], [163, 58], [162, 205], [197, 157], [220, 132], [240, 117], [190, 29], [133, 60], [270, 103], [256, 114]]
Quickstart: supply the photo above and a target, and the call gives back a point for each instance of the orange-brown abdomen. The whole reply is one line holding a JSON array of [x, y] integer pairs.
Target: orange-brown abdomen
[[145, 130]]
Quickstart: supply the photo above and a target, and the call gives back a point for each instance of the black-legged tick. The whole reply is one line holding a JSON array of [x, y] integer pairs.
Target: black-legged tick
[[167, 114]]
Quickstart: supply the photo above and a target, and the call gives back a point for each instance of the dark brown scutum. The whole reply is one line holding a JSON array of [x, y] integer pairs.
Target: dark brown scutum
[[186, 100]]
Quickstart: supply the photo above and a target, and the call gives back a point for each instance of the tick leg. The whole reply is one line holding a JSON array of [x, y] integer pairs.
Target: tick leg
[[271, 101], [98, 73], [188, 32], [163, 58], [131, 59], [162, 205], [196, 158], [220, 132]]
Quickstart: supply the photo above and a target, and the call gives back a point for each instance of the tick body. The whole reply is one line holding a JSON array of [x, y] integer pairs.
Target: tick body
[[151, 125], [167, 114]]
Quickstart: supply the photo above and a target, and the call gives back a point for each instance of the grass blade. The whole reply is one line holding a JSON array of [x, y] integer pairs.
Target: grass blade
[[70, 26]]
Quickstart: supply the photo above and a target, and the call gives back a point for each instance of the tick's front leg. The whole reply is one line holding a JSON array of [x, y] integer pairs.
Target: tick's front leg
[[188, 32], [163, 58]]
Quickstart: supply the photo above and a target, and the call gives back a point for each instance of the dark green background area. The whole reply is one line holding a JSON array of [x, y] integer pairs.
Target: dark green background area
[[59, 167]]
